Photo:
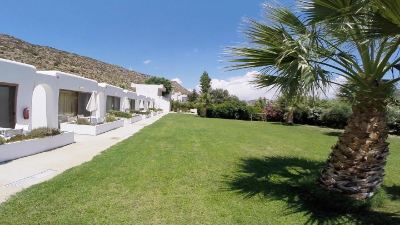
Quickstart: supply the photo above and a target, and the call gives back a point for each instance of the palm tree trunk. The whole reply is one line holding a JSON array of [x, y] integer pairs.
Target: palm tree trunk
[[356, 165], [289, 116]]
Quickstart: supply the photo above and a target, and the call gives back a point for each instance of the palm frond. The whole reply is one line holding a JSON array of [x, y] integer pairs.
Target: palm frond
[[385, 19]]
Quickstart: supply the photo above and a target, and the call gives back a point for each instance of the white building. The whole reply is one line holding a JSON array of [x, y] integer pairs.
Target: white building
[[177, 96], [30, 99], [154, 91]]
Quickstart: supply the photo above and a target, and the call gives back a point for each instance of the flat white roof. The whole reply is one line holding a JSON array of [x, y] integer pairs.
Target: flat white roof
[[17, 63]]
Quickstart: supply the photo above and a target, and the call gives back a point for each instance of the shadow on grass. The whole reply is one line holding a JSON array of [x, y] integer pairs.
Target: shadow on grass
[[293, 179], [393, 192], [333, 133]]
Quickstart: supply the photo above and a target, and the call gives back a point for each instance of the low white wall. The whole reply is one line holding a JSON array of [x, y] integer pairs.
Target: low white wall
[[89, 129], [134, 119], [15, 150]]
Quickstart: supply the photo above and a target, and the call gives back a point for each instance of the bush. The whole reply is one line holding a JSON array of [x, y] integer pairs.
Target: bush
[[44, 132], [202, 111], [337, 115], [110, 118], [120, 114], [394, 119], [273, 112], [182, 106], [82, 121], [141, 112], [230, 110], [35, 133], [2, 140]]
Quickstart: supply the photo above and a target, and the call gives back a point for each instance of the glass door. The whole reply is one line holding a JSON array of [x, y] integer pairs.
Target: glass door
[[7, 109]]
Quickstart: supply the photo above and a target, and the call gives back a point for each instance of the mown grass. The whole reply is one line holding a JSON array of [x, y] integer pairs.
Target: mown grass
[[189, 170]]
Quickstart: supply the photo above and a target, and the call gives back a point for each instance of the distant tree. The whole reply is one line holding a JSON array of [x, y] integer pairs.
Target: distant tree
[[193, 96], [161, 80], [219, 95], [261, 103], [205, 83]]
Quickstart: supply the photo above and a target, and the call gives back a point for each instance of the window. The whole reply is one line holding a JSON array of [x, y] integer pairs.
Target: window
[[73, 103], [68, 103], [113, 103], [132, 103], [7, 109], [83, 100]]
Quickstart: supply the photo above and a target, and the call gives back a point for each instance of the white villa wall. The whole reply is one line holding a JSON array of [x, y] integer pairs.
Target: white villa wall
[[177, 96], [154, 92], [39, 92], [23, 76], [108, 90], [131, 95], [39, 107], [53, 82]]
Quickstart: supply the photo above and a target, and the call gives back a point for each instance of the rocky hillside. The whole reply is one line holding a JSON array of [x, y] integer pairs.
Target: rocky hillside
[[47, 58]]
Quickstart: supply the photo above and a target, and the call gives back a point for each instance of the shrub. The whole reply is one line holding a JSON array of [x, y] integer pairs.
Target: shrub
[[182, 106], [35, 133], [110, 118], [141, 112], [120, 114], [43, 132], [230, 110], [394, 119], [18, 137], [273, 112], [82, 121], [336, 116], [202, 111], [2, 140]]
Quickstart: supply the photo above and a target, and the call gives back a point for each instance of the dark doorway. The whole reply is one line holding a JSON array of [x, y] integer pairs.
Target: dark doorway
[[7, 105]]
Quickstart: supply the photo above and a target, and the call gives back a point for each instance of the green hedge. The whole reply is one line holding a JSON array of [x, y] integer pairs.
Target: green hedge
[[394, 119], [120, 114], [35, 133], [229, 110]]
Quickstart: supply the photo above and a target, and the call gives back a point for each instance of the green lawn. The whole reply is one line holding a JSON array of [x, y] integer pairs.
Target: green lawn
[[189, 170]]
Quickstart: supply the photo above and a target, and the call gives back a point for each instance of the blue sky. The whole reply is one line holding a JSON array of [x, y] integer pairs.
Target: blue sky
[[171, 38]]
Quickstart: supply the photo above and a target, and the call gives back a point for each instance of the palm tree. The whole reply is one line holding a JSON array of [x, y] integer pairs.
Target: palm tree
[[354, 39]]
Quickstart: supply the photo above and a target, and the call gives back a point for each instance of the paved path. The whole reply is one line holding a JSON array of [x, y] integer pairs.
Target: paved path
[[25, 172]]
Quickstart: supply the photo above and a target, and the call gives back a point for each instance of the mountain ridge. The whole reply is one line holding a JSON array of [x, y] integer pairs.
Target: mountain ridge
[[49, 58]]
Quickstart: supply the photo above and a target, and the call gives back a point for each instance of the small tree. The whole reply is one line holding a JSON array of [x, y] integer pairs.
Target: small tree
[[219, 95], [205, 83], [193, 96]]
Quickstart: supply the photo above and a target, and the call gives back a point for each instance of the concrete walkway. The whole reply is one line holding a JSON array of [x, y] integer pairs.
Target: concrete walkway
[[22, 173]]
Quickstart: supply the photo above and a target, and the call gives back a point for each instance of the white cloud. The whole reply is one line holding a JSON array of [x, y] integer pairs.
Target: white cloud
[[241, 87], [177, 80], [148, 61], [333, 89]]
